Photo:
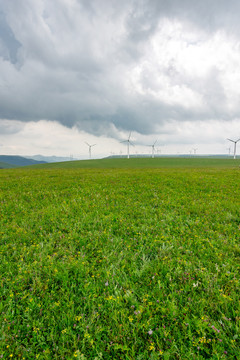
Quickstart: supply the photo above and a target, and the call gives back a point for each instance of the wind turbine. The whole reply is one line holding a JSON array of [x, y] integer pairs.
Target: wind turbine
[[235, 147], [90, 147], [195, 151], [153, 148], [128, 144]]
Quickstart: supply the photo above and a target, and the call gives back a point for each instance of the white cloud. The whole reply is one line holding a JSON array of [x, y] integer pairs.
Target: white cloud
[[108, 67], [51, 138]]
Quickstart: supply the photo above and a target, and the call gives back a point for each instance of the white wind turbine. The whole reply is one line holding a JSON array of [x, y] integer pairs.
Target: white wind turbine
[[90, 147], [153, 148], [128, 144], [235, 147]]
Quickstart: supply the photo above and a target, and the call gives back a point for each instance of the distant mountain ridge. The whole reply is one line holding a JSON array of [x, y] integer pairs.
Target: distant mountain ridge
[[18, 160], [50, 159]]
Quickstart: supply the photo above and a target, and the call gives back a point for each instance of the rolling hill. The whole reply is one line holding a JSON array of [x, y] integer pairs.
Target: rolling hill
[[15, 161]]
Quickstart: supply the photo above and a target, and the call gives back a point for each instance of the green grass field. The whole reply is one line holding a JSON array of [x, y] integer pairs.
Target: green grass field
[[120, 259], [175, 162], [4, 165]]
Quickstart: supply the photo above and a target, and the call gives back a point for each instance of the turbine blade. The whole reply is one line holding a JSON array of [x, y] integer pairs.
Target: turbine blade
[[87, 143], [231, 140], [129, 135]]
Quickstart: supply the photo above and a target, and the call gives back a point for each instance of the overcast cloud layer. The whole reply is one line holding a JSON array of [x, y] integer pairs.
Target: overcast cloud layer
[[107, 67]]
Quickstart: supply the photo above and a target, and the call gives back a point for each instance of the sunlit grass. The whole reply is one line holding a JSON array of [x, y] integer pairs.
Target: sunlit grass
[[120, 263]]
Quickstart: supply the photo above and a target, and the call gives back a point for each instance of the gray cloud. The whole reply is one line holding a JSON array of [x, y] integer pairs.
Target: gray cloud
[[10, 127], [9, 46], [207, 15], [95, 64]]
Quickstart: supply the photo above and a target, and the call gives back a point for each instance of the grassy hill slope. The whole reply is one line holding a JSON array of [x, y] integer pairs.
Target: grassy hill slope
[[143, 163], [4, 165]]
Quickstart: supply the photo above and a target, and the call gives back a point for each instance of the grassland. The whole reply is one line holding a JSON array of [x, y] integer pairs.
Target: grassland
[[121, 260], [4, 165], [132, 163]]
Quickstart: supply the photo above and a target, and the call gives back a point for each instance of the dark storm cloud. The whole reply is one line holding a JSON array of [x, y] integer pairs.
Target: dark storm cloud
[[74, 62]]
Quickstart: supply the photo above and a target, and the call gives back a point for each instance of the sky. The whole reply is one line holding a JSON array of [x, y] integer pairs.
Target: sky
[[77, 71]]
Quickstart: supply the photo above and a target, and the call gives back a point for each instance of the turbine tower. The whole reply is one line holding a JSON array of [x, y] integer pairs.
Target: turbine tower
[[153, 148], [89, 149], [128, 144], [235, 147]]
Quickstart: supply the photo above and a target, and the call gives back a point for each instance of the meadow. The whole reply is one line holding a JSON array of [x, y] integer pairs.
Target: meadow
[[120, 259]]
